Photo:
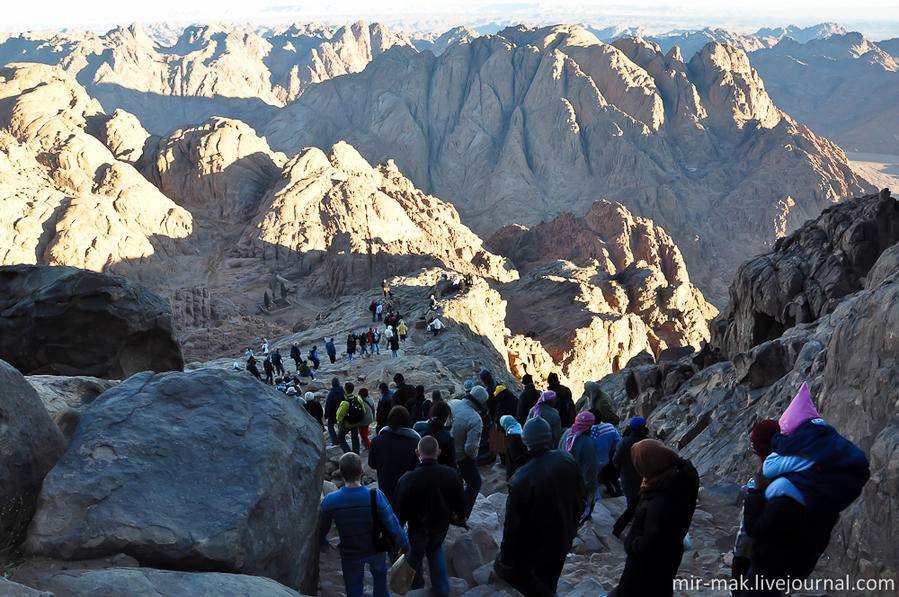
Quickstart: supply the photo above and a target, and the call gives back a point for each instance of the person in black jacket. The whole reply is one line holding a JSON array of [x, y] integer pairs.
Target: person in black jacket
[[428, 497], [414, 404], [564, 401], [527, 400], [332, 403], [630, 478], [503, 402], [435, 426], [313, 408], [546, 499], [278, 362], [392, 452], [404, 392], [385, 403], [269, 370], [295, 355], [661, 519]]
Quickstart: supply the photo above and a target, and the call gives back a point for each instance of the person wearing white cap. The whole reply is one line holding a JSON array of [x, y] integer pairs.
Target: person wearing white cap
[[313, 407]]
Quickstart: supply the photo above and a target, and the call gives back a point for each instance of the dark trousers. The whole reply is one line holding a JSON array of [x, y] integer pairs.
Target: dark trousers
[[332, 356], [354, 433], [534, 581], [472, 478], [430, 546], [332, 432], [279, 368]]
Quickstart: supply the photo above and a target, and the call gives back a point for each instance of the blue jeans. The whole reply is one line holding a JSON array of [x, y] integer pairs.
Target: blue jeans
[[354, 571], [468, 467], [422, 545], [393, 352], [376, 348], [332, 432]]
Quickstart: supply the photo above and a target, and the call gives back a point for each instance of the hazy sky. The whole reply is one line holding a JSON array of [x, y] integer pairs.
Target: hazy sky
[[875, 18]]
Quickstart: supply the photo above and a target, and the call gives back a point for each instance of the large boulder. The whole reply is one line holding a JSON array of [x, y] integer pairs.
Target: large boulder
[[65, 398], [208, 470], [30, 444], [66, 321], [807, 273], [14, 589], [147, 582]]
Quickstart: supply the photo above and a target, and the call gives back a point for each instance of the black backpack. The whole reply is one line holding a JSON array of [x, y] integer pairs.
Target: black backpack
[[356, 411]]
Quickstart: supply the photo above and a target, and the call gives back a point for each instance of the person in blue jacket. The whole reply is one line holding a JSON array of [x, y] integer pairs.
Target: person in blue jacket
[[351, 509]]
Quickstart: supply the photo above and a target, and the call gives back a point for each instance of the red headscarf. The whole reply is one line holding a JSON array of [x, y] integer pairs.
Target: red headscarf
[[583, 422]]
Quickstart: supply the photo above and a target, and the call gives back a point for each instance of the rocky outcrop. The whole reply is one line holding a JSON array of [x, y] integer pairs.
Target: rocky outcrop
[[147, 582], [207, 70], [65, 321], [207, 470], [30, 445], [544, 121], [64, 198], [13, 589], [220, 167], [621, 288], [65, 398], [807, 273], [847, 356], [353, 225]]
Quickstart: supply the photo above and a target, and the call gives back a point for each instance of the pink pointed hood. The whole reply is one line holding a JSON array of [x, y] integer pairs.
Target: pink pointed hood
[[801, 409]]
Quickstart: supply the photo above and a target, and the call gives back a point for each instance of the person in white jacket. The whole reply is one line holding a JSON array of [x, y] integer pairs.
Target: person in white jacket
[[467, 428]]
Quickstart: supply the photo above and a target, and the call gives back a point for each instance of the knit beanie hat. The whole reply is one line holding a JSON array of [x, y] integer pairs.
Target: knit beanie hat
[[510, 424], [499, 389], [637, 422], [761, 435], [309, 396], [363, 392], [526, 379], [479, 393], [537, 433], [468, 385], [291, 391]]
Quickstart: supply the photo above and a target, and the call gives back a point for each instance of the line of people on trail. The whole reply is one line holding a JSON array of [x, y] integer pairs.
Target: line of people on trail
[[427, 451]]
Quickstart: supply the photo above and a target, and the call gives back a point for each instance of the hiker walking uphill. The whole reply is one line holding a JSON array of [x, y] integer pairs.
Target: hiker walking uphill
[[385, 287], [467, 428], [402, 329], [545, 503], [314, 408], [436, 427], [545, 408], [368, 419], [313, 356], [332, 403], [577, 442], [661, 519], [350, 415], [594, 399], [373, 307], [428, 497], [404, 392], [269, 370], [251, 367], [354, 508], [385, 403], [392, 452]]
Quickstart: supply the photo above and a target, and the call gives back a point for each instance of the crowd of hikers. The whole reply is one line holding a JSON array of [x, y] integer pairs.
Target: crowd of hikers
[[559, 459]]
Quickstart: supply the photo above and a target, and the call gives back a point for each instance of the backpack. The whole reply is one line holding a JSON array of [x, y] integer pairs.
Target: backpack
[[356, 411]]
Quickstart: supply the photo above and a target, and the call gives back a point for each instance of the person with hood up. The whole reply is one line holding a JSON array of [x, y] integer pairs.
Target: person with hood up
[[516, 452], [467, 428], [385, 403], [486, 378], [661, 519], [373, 307], [630, 478], [502, 402], [546, 408], [304, 370], [545, 503], [295, 355], [564, 401], [353, 508], [392, 452], [429, 497], [331, 350], [528, 398], [368, 419], [312, 406], [596, 400], [351, 345], [350, 414], [577, 442], [385, 287], [332, 403], [436, 426], [251, 367], [402, 329]]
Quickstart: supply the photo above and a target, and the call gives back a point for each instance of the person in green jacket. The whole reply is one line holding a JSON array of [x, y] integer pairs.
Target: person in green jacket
[[350, 414], [598, 401]]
